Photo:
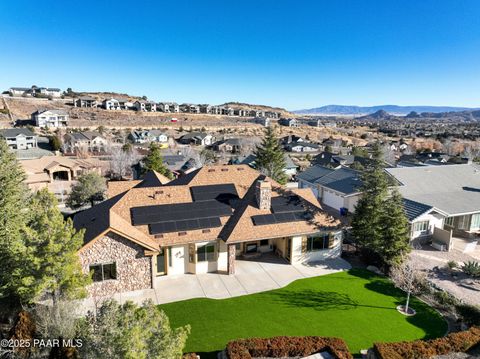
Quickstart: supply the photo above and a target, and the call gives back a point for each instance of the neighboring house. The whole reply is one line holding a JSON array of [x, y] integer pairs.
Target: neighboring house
[[19, 138], [272, 114], [336, 188], [290, 168], [171, 107], [205, 108], [90, 141], [189, 108], [50, 118], [57, 173], [232, 145], [289, 122], [264, 121], [179, 164], [320, 123], [145, 136], [202, 222], [146, 106], [453, 194], [49, 92], [334, 143], [301, 147], [19, 91], [197, 138], [111, 104], [85, 101], [240, 112]]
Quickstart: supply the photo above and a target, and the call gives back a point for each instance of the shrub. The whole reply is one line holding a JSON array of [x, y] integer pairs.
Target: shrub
[[280, 347], [470, 314], [472, 268], [444, 298], [452, 343], [452, 264]]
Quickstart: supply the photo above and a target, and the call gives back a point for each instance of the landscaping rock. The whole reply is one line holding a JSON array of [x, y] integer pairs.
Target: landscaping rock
[[374, 270]]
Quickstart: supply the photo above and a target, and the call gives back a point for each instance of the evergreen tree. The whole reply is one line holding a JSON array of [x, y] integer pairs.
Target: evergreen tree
[[154, 162], [379, 224], [13, 219], [130, 331], [395, 230], [91, 187], [51, 264], [270, 158]]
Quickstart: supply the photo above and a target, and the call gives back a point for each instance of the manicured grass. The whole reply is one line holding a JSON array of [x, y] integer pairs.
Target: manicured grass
[[357, 306]]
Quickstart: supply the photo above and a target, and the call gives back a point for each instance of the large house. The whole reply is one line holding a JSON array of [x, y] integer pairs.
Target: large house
[[443, 203], [145, 106], [145, 136], [197, 138], [199, 223], [171, 107], [19, 138], [338, 188], [85, 101], [57, 173], [50, 118], [89, 141]]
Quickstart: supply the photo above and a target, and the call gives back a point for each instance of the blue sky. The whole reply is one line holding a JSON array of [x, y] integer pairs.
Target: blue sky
[[294, 54]]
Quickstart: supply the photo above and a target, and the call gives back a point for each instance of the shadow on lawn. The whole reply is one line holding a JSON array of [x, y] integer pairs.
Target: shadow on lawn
[[318, 300]]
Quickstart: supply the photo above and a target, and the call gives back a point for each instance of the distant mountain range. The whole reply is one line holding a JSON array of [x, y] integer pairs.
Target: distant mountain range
[[365, 110]]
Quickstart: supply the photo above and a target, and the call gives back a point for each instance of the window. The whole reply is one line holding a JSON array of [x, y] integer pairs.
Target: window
[[449, 221], [206, 253], [463, 222], [420, 226], [475, 222], [317, 243], [103, 272], [264, 242]]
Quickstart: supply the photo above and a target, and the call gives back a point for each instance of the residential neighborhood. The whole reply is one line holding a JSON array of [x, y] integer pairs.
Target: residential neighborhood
[[240, 180]]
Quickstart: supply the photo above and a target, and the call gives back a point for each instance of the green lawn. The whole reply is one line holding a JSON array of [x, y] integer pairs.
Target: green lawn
[[357, 306]]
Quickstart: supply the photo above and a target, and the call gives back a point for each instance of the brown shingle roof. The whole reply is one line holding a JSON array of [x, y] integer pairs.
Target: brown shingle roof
[[239, 227]]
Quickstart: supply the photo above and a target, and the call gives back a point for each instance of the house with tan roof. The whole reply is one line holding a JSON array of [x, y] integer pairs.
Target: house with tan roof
[[57, 173], [202, 222]]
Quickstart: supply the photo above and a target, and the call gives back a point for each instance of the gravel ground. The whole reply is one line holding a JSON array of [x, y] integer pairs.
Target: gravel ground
[[433, 263]]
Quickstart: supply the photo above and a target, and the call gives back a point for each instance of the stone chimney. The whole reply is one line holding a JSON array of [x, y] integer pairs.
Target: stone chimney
[[263, 194]]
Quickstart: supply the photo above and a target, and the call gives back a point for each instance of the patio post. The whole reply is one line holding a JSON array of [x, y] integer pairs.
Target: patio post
[[231, 258]]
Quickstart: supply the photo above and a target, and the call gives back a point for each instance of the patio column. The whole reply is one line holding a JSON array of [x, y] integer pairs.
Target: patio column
[[153, 263], [231, 258]]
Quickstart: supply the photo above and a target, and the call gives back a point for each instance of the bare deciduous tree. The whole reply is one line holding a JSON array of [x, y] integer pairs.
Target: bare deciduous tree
[[121, 161], [408, 278]]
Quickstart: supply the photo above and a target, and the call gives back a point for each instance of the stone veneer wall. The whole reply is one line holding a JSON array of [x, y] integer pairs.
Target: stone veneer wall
[[133, 267]]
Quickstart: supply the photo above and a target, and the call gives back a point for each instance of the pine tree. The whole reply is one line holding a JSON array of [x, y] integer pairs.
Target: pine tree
[[13, 219], [90, 187], [270, 158], [154, 162], [395, 230], [368, 216], [53, 265]]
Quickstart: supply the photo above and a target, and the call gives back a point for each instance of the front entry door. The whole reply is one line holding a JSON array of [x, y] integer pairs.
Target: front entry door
[[161, 270]]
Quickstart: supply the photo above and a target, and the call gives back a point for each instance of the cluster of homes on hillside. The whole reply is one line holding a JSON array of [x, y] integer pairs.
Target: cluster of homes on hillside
[[35, 91], [169, 107]]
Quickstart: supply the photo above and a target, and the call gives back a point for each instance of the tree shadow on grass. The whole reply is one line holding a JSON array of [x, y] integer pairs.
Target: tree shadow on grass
[[318, 300]]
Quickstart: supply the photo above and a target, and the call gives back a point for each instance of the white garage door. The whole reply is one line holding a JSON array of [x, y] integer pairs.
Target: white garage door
[[332, 200]]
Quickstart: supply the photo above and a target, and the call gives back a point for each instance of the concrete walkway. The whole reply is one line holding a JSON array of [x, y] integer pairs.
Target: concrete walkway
[[250, 277]]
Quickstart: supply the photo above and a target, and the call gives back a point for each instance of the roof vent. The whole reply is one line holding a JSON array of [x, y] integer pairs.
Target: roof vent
[[224, 169], [240, 169], [182, 233], [206, 231], [159, 236], [211, 170]]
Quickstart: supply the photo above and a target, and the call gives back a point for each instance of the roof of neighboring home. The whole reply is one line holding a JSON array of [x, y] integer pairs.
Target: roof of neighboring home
[[250, 161], [344, 180], [453, 189], [55, 112], [313, 173], [193, 135], [84, 136], [135, 212], [19, 88], [414, 209], [14, 132], [85, 98], [39, 165]]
